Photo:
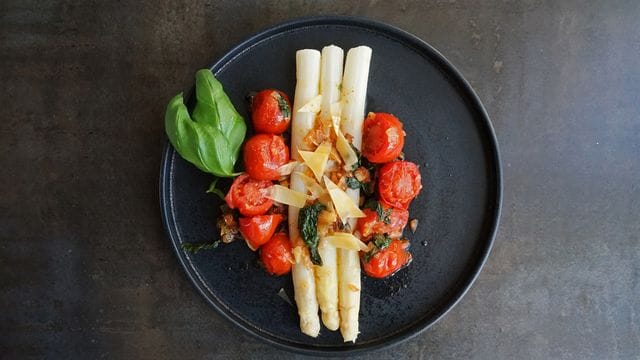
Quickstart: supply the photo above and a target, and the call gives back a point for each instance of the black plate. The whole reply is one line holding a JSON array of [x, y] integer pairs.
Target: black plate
[[448, 134]]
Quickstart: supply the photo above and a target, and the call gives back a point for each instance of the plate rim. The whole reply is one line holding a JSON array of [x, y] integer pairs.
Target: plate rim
[[166, 202]]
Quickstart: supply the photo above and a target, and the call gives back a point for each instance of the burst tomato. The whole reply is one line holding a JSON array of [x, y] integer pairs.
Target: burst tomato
[[257, 230], [373, 224], [382, 138], [263, 155], [276, 255], [270, 112], [389, 260], [247, 195], [399, 182]]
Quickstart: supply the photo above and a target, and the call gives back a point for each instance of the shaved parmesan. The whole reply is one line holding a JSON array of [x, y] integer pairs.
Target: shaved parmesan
[[343, 146], [324, 148], [313, 106], [345, 207], [287, 196], [314, 188], [317, 160], [345, 240], [287, 168]]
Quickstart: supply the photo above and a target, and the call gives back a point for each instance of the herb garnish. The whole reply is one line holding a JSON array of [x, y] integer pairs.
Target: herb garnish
[[211, 135], [214, 190], [195, 247], [383, 215], [308, 227], [283, 105], [380, 242]]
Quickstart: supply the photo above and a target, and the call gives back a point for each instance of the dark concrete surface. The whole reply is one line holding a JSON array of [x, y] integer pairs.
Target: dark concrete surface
[[87, 272]]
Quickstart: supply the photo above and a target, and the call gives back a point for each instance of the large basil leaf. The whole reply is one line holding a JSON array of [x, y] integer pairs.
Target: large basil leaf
[[212, 137]]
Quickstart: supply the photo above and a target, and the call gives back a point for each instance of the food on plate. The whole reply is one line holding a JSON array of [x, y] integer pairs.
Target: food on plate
[[381, 218], [210, 137], [263, 155], [325, 191], [259, 229], [248, 196], [276, 255], [399, 182], [384, 138], [386, 257], [270, 112]]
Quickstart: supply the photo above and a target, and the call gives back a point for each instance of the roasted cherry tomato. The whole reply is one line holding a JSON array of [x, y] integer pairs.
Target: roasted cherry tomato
[[263, 155], [372, 224], [276, 255], [389, 260], [246, 195], [258, 229], [271, 112], [382, 138], [399, 182]]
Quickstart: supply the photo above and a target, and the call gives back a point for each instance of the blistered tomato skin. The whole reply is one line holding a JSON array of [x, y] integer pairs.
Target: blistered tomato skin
[[263, 155], [371, 224], [270, 112], [383, 138], [247, 195], [388, 261], [399, 182], [257, 230], [276, 255]]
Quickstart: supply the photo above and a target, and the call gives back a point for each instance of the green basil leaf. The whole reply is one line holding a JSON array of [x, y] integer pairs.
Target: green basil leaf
[[181, 131], [211, 138], [308, 227], [213, 190]]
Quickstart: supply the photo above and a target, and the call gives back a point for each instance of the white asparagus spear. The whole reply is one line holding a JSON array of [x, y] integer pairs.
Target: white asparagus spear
[[327, 274], [304, 285], [354, 92]]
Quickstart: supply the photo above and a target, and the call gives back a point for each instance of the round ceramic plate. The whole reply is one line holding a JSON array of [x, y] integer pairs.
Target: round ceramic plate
[[448, 134]]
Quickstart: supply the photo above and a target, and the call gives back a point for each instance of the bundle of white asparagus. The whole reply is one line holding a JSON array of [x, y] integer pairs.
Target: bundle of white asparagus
[[332, 102]]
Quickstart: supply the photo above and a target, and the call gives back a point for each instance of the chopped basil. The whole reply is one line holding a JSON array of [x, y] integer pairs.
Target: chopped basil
[[380, 242], [283, 105], [194, 247], [383, 215], [308, 227]]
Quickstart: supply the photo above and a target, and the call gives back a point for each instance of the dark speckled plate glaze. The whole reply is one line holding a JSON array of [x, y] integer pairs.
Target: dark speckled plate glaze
[[448, 134]]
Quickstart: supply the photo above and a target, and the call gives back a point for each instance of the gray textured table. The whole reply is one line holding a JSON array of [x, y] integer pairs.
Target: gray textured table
[[86, 269]]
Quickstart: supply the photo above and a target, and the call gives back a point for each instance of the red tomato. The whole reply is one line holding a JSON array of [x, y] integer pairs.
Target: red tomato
[[399, 182], [270, 112], [371, 224], [382, 138], [257, 230], [263, 155], [389, 260], [246, 195], [276, 255]]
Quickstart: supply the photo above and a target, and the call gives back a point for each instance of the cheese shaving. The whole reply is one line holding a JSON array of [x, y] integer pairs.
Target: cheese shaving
[[344, 240], [287, 196], [345, 207], [313, 106]]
